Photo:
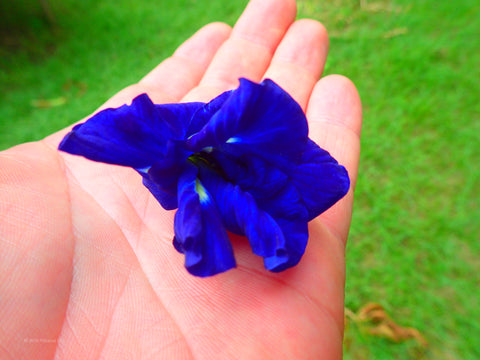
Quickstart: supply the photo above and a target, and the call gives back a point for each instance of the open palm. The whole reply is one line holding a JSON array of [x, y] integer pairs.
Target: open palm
[[87, 267]]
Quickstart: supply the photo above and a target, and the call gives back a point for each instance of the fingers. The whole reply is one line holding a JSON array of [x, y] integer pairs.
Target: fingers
[[249, 50], [335, 119], [299, 59], [180, 73], [177, 75]]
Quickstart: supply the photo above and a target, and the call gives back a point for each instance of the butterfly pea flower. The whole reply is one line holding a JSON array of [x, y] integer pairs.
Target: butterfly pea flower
[[242, 163]]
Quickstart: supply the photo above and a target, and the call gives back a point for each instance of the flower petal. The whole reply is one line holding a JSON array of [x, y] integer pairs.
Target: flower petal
[[252, 173], [162, 177], [287, 204], [204, 113], [259, 119], [280, 242], [241, 215], [177, 118], [133, 135], [296, 236], [320, 180], [199, 231], [166, 199]]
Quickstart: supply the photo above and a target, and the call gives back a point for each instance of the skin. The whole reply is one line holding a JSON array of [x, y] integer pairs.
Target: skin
[[87, 268]]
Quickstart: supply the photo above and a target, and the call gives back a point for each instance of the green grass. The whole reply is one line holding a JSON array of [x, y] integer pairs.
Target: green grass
[[98, 48], [414, 241]]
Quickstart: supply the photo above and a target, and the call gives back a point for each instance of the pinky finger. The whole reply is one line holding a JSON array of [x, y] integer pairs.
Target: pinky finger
[[335, 119]]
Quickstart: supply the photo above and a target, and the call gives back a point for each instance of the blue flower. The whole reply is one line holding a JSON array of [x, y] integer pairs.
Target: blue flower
[[241, 163]]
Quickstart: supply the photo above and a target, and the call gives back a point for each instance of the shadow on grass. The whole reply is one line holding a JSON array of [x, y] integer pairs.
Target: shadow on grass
[[27, 27]]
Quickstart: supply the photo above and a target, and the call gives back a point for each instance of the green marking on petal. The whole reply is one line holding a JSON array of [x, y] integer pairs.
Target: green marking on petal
[[233, 140], [201, 191]]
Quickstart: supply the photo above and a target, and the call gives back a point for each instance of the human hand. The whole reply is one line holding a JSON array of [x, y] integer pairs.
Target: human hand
[[87, 268]]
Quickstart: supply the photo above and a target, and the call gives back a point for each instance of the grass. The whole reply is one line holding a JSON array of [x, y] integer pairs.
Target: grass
[[414, 241]]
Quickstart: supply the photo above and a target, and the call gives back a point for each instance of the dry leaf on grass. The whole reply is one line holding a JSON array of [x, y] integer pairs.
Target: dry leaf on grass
[[378, 323], [49, 103]]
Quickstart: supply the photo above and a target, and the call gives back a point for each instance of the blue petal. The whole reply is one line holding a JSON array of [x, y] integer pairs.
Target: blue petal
[[166, 199], [252, 173], [296, 235], [178, 118], [133, 135], [287, 204], [241, 215], [271, 188], [280, 242], [162, 177], [199, 231], [259, 119], [204, 113], [320, 180]]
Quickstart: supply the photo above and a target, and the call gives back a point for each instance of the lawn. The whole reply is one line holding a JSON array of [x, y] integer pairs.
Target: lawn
[[414, 245]]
